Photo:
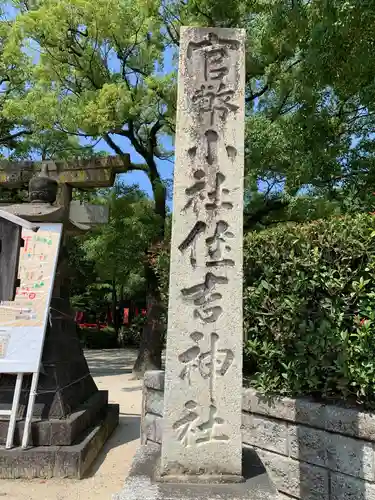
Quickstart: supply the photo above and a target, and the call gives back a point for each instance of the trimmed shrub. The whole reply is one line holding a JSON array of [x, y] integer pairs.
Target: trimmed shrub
[[309, 309], [94, 338]]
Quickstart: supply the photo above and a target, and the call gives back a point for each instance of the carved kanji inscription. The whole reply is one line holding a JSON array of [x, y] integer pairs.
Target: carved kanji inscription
[[214, 51], [214, 361], [211, 198], [217, 245], [203, 296], [192, 429], [215, 100]]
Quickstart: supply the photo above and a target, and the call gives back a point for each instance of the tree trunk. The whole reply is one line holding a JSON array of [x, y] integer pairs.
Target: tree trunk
[[114, 307], [151, 345], [149, 356]]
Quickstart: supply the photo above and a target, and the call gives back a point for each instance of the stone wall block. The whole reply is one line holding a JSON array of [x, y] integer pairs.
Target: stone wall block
[[308, 444], [152, 428], [351, 456], [265, 433], [293, 410], [154, 379], [350, 422], [154, 402], [349, 488], [297, 479], [338, 419]]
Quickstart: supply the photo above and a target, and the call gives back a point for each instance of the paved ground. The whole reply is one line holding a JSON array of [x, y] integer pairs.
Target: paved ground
[[112, 371]]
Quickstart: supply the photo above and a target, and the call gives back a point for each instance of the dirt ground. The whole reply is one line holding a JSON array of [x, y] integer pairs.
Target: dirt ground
[[112, 371]]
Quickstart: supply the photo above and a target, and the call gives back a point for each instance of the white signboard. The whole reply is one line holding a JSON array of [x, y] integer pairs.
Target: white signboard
[[23, 322]]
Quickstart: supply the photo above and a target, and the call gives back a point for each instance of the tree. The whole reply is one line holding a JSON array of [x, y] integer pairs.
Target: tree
[[311, 129], [309, 97], [13, 78], [109, 261], [94, 72], [118, 248], [52, 145]]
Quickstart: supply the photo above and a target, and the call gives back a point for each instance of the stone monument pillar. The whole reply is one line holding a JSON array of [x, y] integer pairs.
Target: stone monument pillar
[[203, 375]]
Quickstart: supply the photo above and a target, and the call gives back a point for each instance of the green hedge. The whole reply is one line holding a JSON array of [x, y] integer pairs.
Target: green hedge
[[94, 338], [309, 309], [309, 300]]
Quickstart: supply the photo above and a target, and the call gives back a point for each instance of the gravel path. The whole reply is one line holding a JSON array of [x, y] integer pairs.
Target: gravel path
[[111, 370]]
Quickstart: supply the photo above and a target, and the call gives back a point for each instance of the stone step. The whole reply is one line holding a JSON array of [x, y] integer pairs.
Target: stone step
[[59, 461], [59, 432]]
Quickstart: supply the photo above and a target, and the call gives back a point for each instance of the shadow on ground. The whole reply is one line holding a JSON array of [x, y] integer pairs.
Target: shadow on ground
[[132, 389], [252, 466], [128, 430], [107, 363]]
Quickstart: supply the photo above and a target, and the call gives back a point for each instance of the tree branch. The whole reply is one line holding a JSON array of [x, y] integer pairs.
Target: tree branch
[[204, 14], [111, 143], [120, 131], [278, 112], [152, 137], [4, 79], [253, 218], [172, 36], [259, 93], [10, 137], [255, 95], [116, 148], [77, 134]]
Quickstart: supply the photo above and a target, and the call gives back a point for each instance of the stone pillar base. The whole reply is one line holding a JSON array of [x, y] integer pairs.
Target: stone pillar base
[[60, 432], [142, 482], [201, 478]]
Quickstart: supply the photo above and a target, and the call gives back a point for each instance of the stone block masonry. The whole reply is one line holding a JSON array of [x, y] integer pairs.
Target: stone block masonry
[[312, 451]]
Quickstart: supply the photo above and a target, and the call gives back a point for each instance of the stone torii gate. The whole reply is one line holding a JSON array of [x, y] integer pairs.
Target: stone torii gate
[[83, 174], [68, 403], [87, 173]]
